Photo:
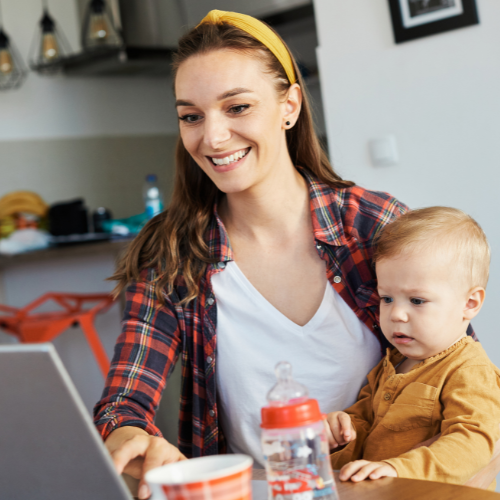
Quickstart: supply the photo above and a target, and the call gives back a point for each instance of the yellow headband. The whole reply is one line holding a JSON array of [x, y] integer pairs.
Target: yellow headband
[[259, 31]]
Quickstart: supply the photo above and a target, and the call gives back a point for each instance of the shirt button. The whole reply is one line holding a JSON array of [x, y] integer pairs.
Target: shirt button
[[319, 247], [337, 279], [211, 413], [210, 301], [222, 265], [209, 359], [387, 396]]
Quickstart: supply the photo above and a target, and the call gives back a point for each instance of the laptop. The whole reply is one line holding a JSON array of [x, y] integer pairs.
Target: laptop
[[49, 447]]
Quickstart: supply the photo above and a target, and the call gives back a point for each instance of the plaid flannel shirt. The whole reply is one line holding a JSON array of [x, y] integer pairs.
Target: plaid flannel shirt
[[345, 222]]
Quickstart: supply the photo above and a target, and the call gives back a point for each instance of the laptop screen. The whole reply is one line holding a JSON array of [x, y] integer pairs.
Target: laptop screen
[[49, 448]]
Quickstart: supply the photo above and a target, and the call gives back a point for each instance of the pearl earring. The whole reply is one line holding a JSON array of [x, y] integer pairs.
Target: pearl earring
[[288, 123]]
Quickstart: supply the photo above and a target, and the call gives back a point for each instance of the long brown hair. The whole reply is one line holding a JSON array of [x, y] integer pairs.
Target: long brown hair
[[174, 242]]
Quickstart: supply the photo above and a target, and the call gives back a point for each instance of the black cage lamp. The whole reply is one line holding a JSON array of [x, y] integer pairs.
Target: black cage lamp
[[49, 44], [98, 28], [12, 69]]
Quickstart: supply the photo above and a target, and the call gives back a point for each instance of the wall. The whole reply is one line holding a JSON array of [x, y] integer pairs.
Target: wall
[[106, 171], [60, 107], [438, 95]]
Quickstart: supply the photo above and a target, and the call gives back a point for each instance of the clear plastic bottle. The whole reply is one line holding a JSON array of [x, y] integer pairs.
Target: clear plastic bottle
[[153, 199], [295, 443]]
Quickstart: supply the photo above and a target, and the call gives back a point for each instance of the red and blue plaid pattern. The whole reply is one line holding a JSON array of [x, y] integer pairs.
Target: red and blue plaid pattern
[[345, 222]]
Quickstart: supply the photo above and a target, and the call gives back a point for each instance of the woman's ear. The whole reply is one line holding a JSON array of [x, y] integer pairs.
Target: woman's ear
[[475, 300], [292, 106]]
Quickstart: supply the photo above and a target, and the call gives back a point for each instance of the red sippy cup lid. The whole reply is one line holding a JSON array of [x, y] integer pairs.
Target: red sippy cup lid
[[289, 402], [292, 415]]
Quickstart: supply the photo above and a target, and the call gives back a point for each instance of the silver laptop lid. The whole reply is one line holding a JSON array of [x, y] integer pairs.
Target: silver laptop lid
[[49, 447]]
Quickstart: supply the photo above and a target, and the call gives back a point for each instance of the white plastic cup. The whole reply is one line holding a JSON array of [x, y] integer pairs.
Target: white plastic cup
[[217, 477]]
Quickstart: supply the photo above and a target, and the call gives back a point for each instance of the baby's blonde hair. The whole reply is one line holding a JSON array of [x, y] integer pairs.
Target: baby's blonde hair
[[437, 228]]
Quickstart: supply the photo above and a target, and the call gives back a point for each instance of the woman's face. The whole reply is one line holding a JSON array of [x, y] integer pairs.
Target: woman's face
[[232, 120]]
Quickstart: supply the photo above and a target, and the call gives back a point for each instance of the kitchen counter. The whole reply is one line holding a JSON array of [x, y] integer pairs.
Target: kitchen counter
[[115, 246]]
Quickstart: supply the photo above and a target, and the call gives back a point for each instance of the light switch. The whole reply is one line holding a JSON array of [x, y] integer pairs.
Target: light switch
[[384, 151]]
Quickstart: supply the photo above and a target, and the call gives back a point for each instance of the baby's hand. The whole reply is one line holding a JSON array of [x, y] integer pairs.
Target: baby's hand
[[361, 469], [340, 429]]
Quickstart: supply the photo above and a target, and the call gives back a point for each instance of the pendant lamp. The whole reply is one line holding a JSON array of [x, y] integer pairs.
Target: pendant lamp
[[49, 43], [12, 69], [98, 28]]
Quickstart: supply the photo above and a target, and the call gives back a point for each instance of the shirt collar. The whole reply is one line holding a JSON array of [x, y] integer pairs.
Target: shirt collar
[[325, 203], [219, 246], [393, 356]]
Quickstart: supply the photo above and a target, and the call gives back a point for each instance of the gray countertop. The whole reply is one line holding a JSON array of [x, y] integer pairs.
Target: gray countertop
[[115, 246]]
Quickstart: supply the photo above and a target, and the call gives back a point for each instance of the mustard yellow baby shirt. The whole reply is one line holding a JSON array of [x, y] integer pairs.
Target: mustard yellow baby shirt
[[455, 393]]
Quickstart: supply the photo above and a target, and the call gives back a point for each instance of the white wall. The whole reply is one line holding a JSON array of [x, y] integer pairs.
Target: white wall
[[46, 107], [106, 171], [438, 95]]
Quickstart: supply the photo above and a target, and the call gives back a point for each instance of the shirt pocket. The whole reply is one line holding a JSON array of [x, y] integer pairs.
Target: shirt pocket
[[412, 408]]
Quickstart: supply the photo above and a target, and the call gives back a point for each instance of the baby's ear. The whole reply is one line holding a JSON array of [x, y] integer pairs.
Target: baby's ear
[[475, 300]]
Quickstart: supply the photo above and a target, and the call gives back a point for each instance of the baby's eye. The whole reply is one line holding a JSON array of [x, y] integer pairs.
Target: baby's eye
[[417, 302], [387, 300]]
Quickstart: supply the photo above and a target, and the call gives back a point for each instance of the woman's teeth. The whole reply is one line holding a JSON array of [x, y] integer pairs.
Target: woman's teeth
[[231, 158]]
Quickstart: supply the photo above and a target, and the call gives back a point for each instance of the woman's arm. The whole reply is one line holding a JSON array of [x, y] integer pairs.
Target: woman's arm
[[145, 355]]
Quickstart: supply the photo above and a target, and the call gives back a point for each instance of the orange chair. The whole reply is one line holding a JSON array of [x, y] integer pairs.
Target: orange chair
[[32, 327]]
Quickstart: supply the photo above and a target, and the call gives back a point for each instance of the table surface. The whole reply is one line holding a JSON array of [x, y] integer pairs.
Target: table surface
[[390, 488]]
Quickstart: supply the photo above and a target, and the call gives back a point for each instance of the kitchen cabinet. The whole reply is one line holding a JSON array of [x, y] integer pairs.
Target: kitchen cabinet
[[145, 23], [195, 10], [160, 23], [152, 28]]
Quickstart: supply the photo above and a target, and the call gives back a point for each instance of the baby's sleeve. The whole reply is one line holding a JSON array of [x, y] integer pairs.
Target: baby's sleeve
[[469, 430], [361, 413]]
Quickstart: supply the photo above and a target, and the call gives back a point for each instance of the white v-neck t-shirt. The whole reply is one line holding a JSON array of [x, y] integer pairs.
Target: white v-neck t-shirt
[[331, 355]]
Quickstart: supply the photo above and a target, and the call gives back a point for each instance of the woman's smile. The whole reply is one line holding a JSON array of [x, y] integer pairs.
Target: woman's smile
[[225, 162]]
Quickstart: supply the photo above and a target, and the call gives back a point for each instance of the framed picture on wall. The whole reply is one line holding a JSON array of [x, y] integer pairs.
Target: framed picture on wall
[[417, 18]]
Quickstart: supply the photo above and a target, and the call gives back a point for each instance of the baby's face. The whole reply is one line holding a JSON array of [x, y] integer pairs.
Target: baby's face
[[422, 302]]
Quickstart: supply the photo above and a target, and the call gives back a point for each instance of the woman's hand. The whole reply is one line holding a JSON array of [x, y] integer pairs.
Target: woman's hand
[[340, 429], [134, 452], [361, 469]]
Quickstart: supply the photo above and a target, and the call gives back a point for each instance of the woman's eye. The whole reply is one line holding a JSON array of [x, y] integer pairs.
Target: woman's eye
[[387, 300], [236, 110], [189, 118], [417, 302]]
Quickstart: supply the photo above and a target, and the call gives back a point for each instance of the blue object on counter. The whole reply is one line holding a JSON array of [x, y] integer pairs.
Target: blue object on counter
[[124, 227]]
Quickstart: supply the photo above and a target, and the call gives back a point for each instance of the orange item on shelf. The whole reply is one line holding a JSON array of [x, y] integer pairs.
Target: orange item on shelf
[[32, 327]]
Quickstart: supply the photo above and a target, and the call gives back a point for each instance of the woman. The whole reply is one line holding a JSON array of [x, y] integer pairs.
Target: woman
[[264, 254]]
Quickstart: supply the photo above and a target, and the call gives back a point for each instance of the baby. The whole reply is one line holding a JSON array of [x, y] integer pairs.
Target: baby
[[432, 267]]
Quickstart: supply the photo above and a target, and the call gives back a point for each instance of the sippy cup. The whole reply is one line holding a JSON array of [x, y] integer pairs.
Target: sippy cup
[[295, 443]]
